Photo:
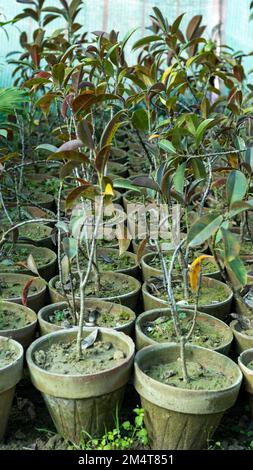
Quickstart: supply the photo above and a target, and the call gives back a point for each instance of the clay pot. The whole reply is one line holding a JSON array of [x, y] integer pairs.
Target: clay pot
[[34, 301], [178, 418], [46, 271], [243, 360], [10, 375], [241, 340], [81, 404], [26, 334]]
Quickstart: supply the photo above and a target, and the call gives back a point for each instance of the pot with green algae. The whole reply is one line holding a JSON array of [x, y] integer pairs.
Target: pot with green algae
[[114, 287], [109, 259], [17, 322], [11, 370], [215, 297], [12, 285], [179, 415], [245, 361], [57, 316], [83, 394], [156, 326], [243, 338], [14, 254], [151, 266]]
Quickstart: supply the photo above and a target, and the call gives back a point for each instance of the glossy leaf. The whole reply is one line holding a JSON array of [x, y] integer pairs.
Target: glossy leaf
[[167, 146], [231, 245], [236, 186], [140, 119], [203, 229]]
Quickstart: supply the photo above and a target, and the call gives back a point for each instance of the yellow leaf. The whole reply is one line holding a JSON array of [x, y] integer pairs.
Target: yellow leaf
[[123, 245], [108, 190], [233, 160], [195, 270], [154, 136]]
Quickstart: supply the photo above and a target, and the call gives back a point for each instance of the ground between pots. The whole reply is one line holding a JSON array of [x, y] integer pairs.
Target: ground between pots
[[30, 426]]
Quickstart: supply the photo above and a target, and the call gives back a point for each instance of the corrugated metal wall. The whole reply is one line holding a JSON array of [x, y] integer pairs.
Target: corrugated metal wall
[[123, 15]]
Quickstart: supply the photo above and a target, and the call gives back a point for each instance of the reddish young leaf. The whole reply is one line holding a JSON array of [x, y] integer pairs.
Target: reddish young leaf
[[25, 290]]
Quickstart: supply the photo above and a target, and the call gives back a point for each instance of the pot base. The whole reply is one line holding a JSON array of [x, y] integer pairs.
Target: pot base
[[178, 431], [75, 419]]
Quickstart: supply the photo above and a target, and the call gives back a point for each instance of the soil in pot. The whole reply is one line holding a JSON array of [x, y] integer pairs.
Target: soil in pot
[[104, 319], [205, 335], [35, 232], [208, 267], [107, 287], [13, 320], [61, 358], [207, 296], [201, 378], [109, 259]]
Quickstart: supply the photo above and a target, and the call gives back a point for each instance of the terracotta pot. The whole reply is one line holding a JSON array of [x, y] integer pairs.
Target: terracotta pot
[[47, 327], [26, 334], [82, 403], [219, 310], [34, 301], [9, 376], [142, 340], [243, 360], [130, 299], [178, 418], [241, 340]]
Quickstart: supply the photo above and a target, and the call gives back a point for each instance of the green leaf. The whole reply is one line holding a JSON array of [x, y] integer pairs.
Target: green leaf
[[240, 206], [236, 186], [48, 147], [249, 157], [239, 270], [140, 119], [201, 130], [167, 146], [179, 178], [198, 168], [124, 184], [145, 41], [231, 245], [58, 73], [127, 37], [204, 228], [111, 129]]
